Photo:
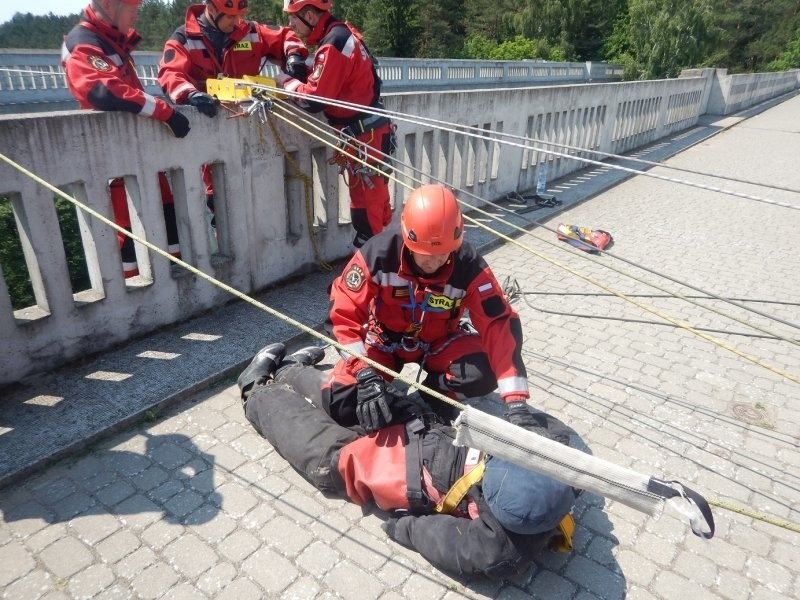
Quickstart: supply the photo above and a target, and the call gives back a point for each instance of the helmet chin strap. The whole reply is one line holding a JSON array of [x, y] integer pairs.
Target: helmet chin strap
[[214, 20], [107, 17], [303, 21]]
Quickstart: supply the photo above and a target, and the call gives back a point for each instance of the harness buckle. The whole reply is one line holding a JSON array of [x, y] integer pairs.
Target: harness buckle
[[409, 344]]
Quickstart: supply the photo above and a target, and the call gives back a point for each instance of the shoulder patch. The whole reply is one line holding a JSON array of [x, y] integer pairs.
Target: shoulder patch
[[354, 278], [317, 71], [99, 63]]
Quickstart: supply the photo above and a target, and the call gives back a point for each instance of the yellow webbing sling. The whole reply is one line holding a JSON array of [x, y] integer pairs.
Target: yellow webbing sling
[[459, 489], [562, 541]]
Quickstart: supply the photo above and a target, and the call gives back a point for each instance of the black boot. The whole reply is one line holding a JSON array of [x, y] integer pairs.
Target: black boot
[[310, 355], [305, 357], [261, 368]]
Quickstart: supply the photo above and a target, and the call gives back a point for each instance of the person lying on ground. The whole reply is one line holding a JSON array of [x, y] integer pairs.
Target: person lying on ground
[[464, 512]]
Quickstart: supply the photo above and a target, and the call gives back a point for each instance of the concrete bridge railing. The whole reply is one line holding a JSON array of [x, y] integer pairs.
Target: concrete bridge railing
[[33, 80], [264, 227]]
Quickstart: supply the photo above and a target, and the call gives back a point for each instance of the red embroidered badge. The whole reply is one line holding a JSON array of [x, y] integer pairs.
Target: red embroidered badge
[[354, 278], [99, 63]]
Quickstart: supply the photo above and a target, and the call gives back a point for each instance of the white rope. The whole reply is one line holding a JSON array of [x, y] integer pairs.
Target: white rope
[[327, 130], [451, 128]]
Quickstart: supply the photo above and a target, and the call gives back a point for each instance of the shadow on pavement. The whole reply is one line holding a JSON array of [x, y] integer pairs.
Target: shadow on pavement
[[170, 476]]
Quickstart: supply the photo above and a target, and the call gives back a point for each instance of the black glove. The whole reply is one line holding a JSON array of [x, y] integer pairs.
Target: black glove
[[372, 410], [520, 415], [178, 124], [204, 103], [296, 67]]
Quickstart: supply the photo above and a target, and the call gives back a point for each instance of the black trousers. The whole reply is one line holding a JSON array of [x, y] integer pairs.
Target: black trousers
[[299, 431]]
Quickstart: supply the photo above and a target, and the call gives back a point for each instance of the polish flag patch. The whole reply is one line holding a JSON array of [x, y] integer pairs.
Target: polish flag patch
[[485, 288]]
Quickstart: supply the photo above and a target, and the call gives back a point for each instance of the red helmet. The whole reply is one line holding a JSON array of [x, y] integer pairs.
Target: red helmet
[[229, 7], [295, 6], [431, 221]]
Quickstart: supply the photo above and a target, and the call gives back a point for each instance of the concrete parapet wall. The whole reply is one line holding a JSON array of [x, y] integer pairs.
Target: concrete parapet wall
[[732, 93], [263, 235]]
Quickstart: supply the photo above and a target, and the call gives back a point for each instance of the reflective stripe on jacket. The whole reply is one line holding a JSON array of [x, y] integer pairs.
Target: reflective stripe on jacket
[[100, 70], [379, 289]]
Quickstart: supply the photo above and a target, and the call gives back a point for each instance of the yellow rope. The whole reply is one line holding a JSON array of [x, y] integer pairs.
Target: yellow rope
[[307, 187], [231, 290], [587, 278], [312, 332], [757, 515], [559, 246]]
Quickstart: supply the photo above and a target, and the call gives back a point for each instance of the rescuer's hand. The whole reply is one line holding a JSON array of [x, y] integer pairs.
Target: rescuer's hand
[[178, 124], [296, 67], [203, 102], [372, 410], [519, 414]]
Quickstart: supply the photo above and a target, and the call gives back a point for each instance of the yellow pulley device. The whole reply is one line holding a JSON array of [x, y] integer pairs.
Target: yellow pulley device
[[230, 89]]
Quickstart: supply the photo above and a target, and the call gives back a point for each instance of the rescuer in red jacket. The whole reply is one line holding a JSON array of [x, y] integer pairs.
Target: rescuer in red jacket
[[216, 41], [464, 512], [101, 74], [344, 70], [401, 299]]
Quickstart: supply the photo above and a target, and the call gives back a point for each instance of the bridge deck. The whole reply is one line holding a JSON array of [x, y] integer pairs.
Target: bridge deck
[[192, 501]]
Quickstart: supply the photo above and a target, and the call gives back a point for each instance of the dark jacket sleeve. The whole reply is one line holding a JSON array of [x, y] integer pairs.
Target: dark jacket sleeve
[[463, 546]]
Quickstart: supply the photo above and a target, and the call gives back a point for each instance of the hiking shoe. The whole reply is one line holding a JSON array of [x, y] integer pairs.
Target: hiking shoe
[[310, 355], [262, 367]]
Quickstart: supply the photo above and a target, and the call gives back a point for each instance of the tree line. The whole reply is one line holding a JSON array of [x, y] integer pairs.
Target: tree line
[[650, 38]]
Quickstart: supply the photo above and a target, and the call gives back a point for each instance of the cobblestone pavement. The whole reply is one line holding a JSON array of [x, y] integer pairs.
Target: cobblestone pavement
[[194, 504]]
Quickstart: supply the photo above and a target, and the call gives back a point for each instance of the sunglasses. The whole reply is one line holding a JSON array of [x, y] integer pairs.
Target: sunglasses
[[242, 4]]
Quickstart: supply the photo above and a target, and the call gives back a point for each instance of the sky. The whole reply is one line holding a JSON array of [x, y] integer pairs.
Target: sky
[[40, 7]]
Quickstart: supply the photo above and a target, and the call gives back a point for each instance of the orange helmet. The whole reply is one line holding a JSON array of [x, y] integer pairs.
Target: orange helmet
[[431, 221], [229, 7], [294, 6]]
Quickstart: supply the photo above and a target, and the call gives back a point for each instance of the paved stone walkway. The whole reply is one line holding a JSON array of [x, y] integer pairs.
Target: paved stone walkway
[[193, 504]]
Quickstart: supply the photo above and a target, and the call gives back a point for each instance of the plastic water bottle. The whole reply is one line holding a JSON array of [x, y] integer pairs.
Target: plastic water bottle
[[541, 179]]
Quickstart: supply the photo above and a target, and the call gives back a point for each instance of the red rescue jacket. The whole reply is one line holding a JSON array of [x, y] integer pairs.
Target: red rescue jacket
[[343, 70], [373, 469], [189, 57], [379, 290], [100, 70]]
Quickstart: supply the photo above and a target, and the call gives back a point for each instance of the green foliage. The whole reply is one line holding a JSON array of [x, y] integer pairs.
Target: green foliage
[[478, 47], [658, 38], [29, 31], [517, 49], [12, 260], [390, 28], [755, 32], [788, 59], [73, 245], [650, 38]]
